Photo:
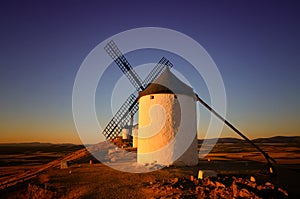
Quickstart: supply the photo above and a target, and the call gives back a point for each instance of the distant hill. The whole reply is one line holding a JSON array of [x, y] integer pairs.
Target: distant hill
[[222, 140], [31, 147], [276, 139], [279, 139], [34, 144]]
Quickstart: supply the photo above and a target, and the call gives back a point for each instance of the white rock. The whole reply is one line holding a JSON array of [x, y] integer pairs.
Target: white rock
[[206, 173], [111, 151]]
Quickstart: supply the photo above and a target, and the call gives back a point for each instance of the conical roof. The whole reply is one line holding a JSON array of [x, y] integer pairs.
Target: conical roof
[[167, 82]]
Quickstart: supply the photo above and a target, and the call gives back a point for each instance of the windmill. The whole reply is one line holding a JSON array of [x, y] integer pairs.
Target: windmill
[[130, 106]]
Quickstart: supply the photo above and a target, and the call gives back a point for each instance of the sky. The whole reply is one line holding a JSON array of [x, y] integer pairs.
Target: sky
[[255, 44]]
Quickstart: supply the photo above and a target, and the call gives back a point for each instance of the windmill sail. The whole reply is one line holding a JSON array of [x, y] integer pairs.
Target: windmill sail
[[157, 70], [130, 106], [113, 50], [122, 117]]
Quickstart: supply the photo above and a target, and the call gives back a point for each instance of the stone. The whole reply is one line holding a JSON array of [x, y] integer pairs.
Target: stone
[[214, 188], [234, 189], [251, 184], [210, 183], [244, 193], [268, 184], [219, 185], [64, 164], [252, 179], [111, 151], [259, 187], [206, 173], [175, 180], [192, 178], [285, 193]]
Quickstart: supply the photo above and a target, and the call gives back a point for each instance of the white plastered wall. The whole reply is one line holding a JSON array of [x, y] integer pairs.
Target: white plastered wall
[[161, 118], [135, 137]]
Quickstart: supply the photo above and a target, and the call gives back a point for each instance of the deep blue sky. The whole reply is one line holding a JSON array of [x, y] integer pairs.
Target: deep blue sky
[[255, 44]]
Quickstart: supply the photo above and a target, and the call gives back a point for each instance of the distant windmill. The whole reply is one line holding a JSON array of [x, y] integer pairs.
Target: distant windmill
[[152, 85]]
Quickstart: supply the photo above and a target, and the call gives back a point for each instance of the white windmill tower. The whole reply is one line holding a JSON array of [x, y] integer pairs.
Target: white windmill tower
[[161, 107]]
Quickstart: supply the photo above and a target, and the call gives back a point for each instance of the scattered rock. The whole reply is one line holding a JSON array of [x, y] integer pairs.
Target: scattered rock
[[285, 193], [206, 173], [212, 187], [192, 178], [173, 181], [111, 151], [244, 193], [220, 185], [268, 184], [64, 164], [234, 189], [39, 191]]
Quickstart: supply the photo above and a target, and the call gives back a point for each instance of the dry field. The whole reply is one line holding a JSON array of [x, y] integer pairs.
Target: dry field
[[82, 180], [17, 159]]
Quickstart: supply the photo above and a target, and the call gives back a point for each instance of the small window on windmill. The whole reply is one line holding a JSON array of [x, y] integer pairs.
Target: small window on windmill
[[151, 97]]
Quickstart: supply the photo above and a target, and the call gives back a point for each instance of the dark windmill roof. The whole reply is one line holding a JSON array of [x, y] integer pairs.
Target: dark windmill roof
[[167, 82]]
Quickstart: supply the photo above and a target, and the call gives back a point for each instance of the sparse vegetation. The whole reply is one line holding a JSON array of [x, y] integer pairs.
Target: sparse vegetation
[[82, 180]]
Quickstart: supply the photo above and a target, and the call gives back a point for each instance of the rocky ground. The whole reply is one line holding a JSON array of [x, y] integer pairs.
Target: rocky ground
[[100, 181], [234, 164], [214, 187]]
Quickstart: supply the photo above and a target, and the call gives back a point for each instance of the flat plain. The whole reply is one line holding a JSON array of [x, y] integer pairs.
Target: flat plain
[[229, 157]]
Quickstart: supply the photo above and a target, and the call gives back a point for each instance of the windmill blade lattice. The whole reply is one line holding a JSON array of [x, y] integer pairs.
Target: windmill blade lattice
[[157, 70], [114, 52], [130, 106], [114, 127]]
